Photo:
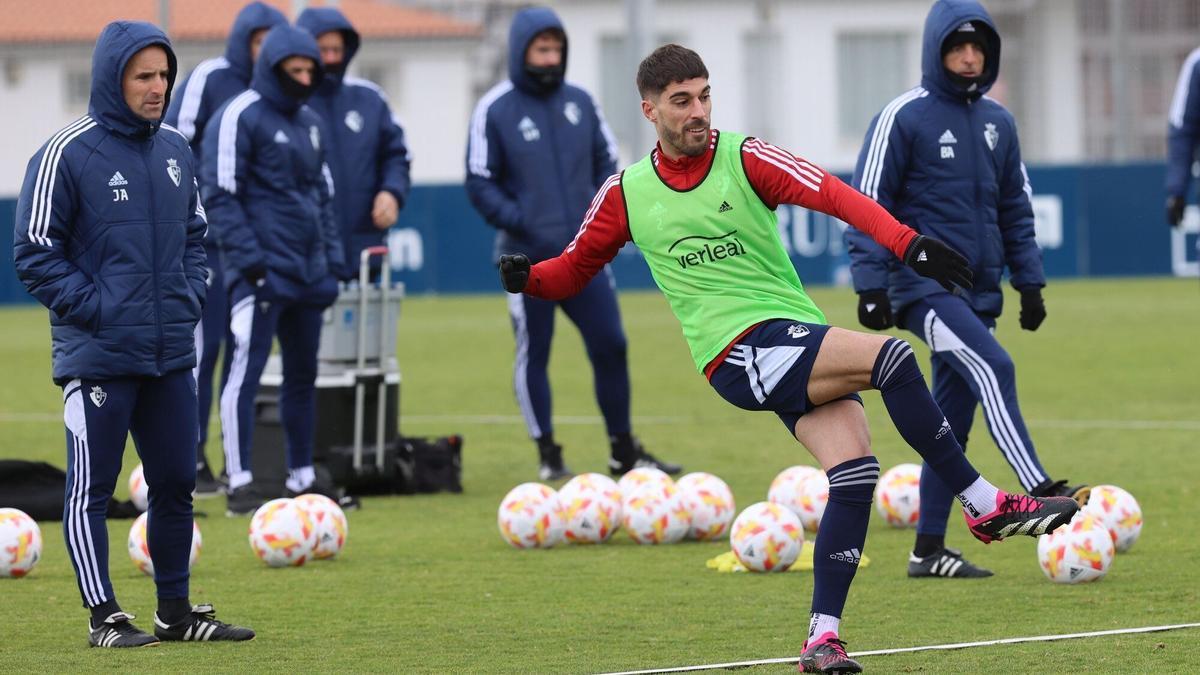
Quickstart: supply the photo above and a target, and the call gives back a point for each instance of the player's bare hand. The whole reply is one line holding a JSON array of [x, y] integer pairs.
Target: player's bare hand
[[385, 210]]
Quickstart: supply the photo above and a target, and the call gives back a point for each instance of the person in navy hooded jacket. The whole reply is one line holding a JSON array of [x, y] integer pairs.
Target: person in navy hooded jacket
[[110, 237], [365, 149], [269, 191], [203, 91], [1183, 136], [537, 152], [944, 158]]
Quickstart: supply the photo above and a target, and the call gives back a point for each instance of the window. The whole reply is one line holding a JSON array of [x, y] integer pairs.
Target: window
[[618, 95], [78, 83], [762, 56], [872, 69]]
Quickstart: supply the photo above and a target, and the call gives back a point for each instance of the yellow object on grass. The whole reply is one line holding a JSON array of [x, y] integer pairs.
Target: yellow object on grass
[[728, 562]]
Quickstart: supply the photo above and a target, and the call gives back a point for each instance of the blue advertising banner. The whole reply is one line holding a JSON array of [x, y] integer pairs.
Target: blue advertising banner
[[1091, 221]]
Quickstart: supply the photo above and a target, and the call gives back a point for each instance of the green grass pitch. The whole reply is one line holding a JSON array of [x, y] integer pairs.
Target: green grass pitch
[[1109, 386]]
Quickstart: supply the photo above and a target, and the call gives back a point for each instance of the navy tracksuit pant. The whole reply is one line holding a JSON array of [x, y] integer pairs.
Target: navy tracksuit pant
[[595, 312], [253, 324], [969, 367], [210, 331], [160, 413]]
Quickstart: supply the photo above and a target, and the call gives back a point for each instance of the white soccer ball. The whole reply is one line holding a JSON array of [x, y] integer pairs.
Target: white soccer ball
[[710, 501], [329, 521], [530, 516], [898, 495], [1118, 512], [640, 477], [139, 547], [767, 537], [1082, 550], [20, 543], [282, 534], [656, 514], [785, 489], [591, 505], [814, 496], [139, 492]]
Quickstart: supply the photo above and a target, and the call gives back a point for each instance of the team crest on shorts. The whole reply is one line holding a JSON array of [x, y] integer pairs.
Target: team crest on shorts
[[174, 171], [797, 331]]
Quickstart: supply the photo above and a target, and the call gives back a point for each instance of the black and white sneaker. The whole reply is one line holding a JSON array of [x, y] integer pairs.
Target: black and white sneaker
[[338, 495], [117, 631], [948, 562], [551, 466], [200, 626], [206, 484], [1059, 488], [628, 454], [244, 500]]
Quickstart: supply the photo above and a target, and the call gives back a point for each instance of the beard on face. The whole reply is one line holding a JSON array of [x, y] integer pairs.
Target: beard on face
[[683, 142]]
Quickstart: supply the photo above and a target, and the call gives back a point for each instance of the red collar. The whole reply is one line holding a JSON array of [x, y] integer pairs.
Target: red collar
[[686, 172]]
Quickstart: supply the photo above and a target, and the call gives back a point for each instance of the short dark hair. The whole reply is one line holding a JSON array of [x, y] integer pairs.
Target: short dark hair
[[665, 65]]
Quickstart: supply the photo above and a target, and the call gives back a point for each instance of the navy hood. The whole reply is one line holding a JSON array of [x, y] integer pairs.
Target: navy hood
[[944, 17], [254, 16], [320, 20], [526, 24], [282, 42], [118, 42]]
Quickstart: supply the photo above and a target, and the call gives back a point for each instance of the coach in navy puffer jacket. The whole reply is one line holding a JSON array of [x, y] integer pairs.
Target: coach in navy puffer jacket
[[944, 160], [110, 232]]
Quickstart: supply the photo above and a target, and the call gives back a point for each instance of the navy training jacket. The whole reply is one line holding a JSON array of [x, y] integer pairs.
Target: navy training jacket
[[110, 231], [534, 161], [365, 148], [1183, 127], [946, 162], [264, 178]]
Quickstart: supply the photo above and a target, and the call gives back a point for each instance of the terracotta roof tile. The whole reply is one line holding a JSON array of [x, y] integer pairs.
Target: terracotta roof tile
[[75, 21]]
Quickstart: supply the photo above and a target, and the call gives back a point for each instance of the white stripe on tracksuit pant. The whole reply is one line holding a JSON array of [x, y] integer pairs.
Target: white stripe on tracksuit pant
[[160, 413]]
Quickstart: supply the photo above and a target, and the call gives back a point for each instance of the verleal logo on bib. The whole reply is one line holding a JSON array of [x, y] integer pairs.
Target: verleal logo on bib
[[708, 249]]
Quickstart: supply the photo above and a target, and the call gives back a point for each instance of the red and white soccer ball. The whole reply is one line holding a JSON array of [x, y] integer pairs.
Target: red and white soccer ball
[[786, 488], [139, 547], [640, 477], [282, 534], [20, 543], [1118, 512], [591, 505], [139, 492], [814, 496], [1080, 551], [656, 514], [767, 537], [530, 516], [330, 523], [898, 495], [710, 501]]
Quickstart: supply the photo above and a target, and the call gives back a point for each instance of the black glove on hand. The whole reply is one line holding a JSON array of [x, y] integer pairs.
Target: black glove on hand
[[931, 258], [514, 272], [1175, 207], [254, 275], [1033, 309], [875, 310]]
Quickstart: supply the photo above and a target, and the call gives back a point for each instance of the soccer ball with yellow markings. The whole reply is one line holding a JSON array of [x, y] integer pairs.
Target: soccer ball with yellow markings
[[20, 543], [591, 505], [282, 533], [1080, 551], [898, 495], [139, 546], [710, 502], [1118, 512], [531, 516], [767, 537]]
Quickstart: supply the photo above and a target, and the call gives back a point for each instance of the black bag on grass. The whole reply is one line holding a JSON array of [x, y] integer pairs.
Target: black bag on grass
[[38, 489], [411, 465]]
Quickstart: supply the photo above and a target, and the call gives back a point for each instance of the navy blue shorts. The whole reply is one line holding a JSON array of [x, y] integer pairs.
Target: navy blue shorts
[[768, 369]]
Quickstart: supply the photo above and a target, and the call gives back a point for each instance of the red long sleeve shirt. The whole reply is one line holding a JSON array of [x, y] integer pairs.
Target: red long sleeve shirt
[[777, 176]]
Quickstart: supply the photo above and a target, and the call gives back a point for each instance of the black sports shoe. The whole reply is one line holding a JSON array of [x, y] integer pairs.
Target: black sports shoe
[[337, 494], [947, 562], [552, 466], [244, 500], [200, 626], [628, 454], [1019, 514], [206, 484], [827, 655], [117, 631], [1059, 488]]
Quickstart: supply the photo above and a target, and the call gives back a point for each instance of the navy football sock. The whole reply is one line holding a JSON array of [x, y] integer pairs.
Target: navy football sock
[[842, 532], [917, 417]]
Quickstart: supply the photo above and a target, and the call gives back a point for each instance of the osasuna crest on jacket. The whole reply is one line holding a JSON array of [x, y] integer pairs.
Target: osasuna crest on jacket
[[110, 231], [945, 161]]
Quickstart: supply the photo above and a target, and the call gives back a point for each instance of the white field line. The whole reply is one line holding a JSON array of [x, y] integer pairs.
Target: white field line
[[593, 420], [901, 650]]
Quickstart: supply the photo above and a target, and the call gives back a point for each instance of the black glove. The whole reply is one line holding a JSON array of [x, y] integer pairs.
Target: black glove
[[931, 258], [255, 275], [514, 272], [1033, 308], [875, 310], [1175, 207]]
